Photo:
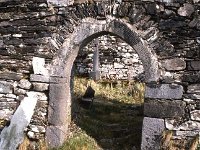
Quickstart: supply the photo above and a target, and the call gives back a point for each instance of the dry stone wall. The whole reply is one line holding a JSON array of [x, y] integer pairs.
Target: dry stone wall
[[117, 60], [33, 40]]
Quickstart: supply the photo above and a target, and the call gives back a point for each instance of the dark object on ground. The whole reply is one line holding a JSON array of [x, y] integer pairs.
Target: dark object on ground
[[88, 97]]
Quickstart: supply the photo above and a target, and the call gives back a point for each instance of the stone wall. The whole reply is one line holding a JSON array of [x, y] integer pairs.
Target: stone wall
[[117, 60], [39, 41]]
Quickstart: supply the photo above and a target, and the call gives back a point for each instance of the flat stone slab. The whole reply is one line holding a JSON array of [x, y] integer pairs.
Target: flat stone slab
[[194, 88], [164, 91], [174, 64], [151, 133], [164, 108]]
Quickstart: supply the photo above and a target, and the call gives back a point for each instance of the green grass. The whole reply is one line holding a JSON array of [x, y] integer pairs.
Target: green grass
[[79, 141]]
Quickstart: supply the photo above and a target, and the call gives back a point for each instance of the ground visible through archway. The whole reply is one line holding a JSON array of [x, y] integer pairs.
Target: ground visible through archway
[[115, 119]]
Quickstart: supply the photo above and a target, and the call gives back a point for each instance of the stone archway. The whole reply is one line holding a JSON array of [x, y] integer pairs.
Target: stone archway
[[59, 92]]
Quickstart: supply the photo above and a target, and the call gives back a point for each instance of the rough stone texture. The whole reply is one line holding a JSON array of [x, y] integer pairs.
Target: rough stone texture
[[185, 126], [193, 88], [6, 114], [195, 115], [58, 104], [186, 10], [39, 78], [24, 84], [40, 86], [39, 66], [164, 91], [164, 108], [151, 133], [5, 87], [174, 64], [13, 135], [193, 65], [56, 135]]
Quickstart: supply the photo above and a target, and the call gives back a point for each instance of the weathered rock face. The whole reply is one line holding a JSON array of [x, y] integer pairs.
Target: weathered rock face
[[40, 40]]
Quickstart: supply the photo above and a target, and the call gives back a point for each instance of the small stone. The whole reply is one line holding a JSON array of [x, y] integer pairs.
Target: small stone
[[40, 96], [186, 10], [118, 65], [24, 84], [34, 128], [194, 88], [11, 96], [184, 134], [40, 86], [195, 115], [39, 66], [18, 91], [188, 125], [31, 134], [5, 87]]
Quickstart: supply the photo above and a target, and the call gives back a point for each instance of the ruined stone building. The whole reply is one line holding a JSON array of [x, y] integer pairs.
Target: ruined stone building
[[40, 39]]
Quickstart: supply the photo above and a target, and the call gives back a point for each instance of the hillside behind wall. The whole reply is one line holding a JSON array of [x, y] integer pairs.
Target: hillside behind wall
[[37, 29]]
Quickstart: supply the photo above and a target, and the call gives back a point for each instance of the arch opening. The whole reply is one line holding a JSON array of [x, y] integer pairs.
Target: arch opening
[[114, 118], [84, 33]]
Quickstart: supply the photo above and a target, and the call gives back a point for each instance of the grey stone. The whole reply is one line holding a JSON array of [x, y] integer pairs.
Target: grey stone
[[59, 104], [194, 88], [39, 66], [195, 115], [40, 86], [186, 126], [5, 87], [184, 134], [11, 76], [56, 135], [13, 135], [164, 91], [192, 96], [39, 78], [151, 133], [164, 108], [6, 114], [24, 84], [186, 10], [61, 2], [19, 91], [194, 65], [174, 64], [40, 96], [58, 80]]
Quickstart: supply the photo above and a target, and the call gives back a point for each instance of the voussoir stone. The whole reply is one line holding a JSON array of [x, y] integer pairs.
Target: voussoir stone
[[164, 91]]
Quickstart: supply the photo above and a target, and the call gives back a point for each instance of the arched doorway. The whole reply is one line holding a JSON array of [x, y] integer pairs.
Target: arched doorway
[[60, 90]]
